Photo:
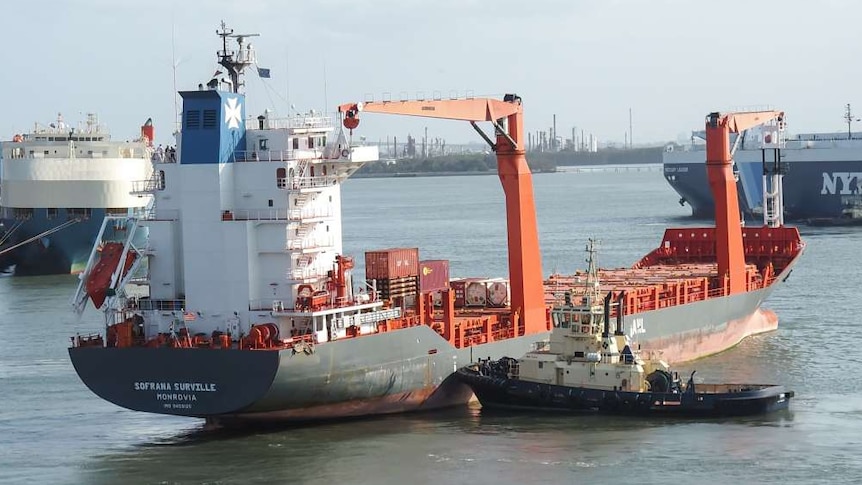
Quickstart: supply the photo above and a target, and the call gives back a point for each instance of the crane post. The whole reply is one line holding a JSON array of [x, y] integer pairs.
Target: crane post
[[729, 250], [524, 257]]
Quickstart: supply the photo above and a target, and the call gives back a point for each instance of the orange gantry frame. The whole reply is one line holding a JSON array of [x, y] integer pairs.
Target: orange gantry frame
[[728, 224], [525, 263]]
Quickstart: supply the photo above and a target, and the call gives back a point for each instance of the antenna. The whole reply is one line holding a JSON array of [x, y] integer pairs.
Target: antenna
[[325, 100], [235, 62], [174, 63], [848, 117]]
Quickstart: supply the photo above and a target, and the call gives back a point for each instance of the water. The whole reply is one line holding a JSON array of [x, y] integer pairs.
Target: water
[[53, 430]]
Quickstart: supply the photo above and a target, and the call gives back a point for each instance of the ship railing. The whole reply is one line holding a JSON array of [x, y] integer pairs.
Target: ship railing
[[268, 304], [161, 305], [149, 186], [300, 274], [308, 121], [259, 214], [263, 155], [321, 181], [300, 214], [313, 243]]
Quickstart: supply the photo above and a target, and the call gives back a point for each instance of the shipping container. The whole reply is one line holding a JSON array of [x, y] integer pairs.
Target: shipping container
[[476, 293], [391, 263], [433, 274], [458, 286], [498, 293]]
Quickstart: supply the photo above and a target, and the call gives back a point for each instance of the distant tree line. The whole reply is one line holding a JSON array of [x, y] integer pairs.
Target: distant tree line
[[460, 163]]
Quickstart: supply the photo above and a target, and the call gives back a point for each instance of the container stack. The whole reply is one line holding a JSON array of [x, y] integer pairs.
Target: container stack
[[394, 272]]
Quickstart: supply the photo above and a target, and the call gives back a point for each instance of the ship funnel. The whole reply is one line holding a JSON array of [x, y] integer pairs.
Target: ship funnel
[[148, 132], [620, 308]]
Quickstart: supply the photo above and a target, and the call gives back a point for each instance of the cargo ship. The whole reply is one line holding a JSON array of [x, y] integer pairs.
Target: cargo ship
[[58, 183], [821, 176], [239, 307]]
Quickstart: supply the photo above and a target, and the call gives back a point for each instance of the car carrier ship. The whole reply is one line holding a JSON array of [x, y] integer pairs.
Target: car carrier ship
[[58, 183], [240, 306], [822, 175]]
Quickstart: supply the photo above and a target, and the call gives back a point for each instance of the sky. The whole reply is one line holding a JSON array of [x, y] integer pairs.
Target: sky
[[590, 63]]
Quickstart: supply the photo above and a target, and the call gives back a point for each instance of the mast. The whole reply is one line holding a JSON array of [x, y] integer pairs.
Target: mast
[[235, 61]]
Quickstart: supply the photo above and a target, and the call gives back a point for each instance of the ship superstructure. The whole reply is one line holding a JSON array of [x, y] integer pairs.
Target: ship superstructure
[[57, 183]]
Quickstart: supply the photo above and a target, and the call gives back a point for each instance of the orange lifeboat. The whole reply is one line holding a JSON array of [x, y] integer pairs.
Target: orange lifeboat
[[99, 279]]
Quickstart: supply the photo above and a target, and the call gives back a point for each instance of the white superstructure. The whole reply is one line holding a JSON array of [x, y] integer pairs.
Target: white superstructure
[[62, 167], [244, 234]]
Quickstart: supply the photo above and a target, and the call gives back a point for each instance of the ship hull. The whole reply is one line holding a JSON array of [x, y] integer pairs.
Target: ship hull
[[814, 188], [392, 372], [499, 391], [63, 252]]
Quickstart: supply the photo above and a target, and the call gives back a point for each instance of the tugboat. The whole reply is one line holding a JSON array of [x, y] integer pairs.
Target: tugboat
[[587, 368]]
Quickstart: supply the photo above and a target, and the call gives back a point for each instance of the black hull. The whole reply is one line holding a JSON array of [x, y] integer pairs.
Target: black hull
[[502, 392], [183, 382]]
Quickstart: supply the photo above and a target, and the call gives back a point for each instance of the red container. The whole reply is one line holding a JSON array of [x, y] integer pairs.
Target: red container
[[387, 264], [433, 274]]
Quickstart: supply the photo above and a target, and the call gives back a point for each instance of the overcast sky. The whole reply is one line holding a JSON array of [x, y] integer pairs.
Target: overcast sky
[[588, 62]]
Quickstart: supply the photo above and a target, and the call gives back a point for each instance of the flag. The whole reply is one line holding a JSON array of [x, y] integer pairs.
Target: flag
[[263, 72], [218, 71], [189, 316]]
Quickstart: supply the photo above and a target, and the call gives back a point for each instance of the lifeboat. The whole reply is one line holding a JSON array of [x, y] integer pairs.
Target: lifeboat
[[99, 279]]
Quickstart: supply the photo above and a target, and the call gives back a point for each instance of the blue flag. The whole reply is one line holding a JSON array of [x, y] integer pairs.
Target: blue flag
[[263, 72]]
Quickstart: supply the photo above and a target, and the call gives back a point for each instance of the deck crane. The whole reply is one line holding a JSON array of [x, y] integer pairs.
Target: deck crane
[[728, 224], [525, 263]]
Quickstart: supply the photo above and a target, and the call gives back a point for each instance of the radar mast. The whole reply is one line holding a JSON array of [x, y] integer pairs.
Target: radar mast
[[235, 61]]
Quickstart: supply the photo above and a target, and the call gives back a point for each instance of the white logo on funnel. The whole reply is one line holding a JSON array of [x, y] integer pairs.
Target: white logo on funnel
[[232, 113]]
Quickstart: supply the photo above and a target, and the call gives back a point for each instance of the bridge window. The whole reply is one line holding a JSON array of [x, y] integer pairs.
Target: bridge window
[[296, 143], [51, 213]]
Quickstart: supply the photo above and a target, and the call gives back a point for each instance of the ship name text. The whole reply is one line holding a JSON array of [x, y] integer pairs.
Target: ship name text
[[176, 386], [841, 183]]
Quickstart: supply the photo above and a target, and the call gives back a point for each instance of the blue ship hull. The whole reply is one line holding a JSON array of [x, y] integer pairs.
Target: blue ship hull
[[63, 252], [813, 190]]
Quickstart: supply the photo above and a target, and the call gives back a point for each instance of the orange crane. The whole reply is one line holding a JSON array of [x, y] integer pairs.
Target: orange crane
[[525, 262], [728, 225]]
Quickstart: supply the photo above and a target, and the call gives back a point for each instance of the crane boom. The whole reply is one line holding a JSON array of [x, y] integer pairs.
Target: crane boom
[[525, 262], [729, 249], [476, 109]]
